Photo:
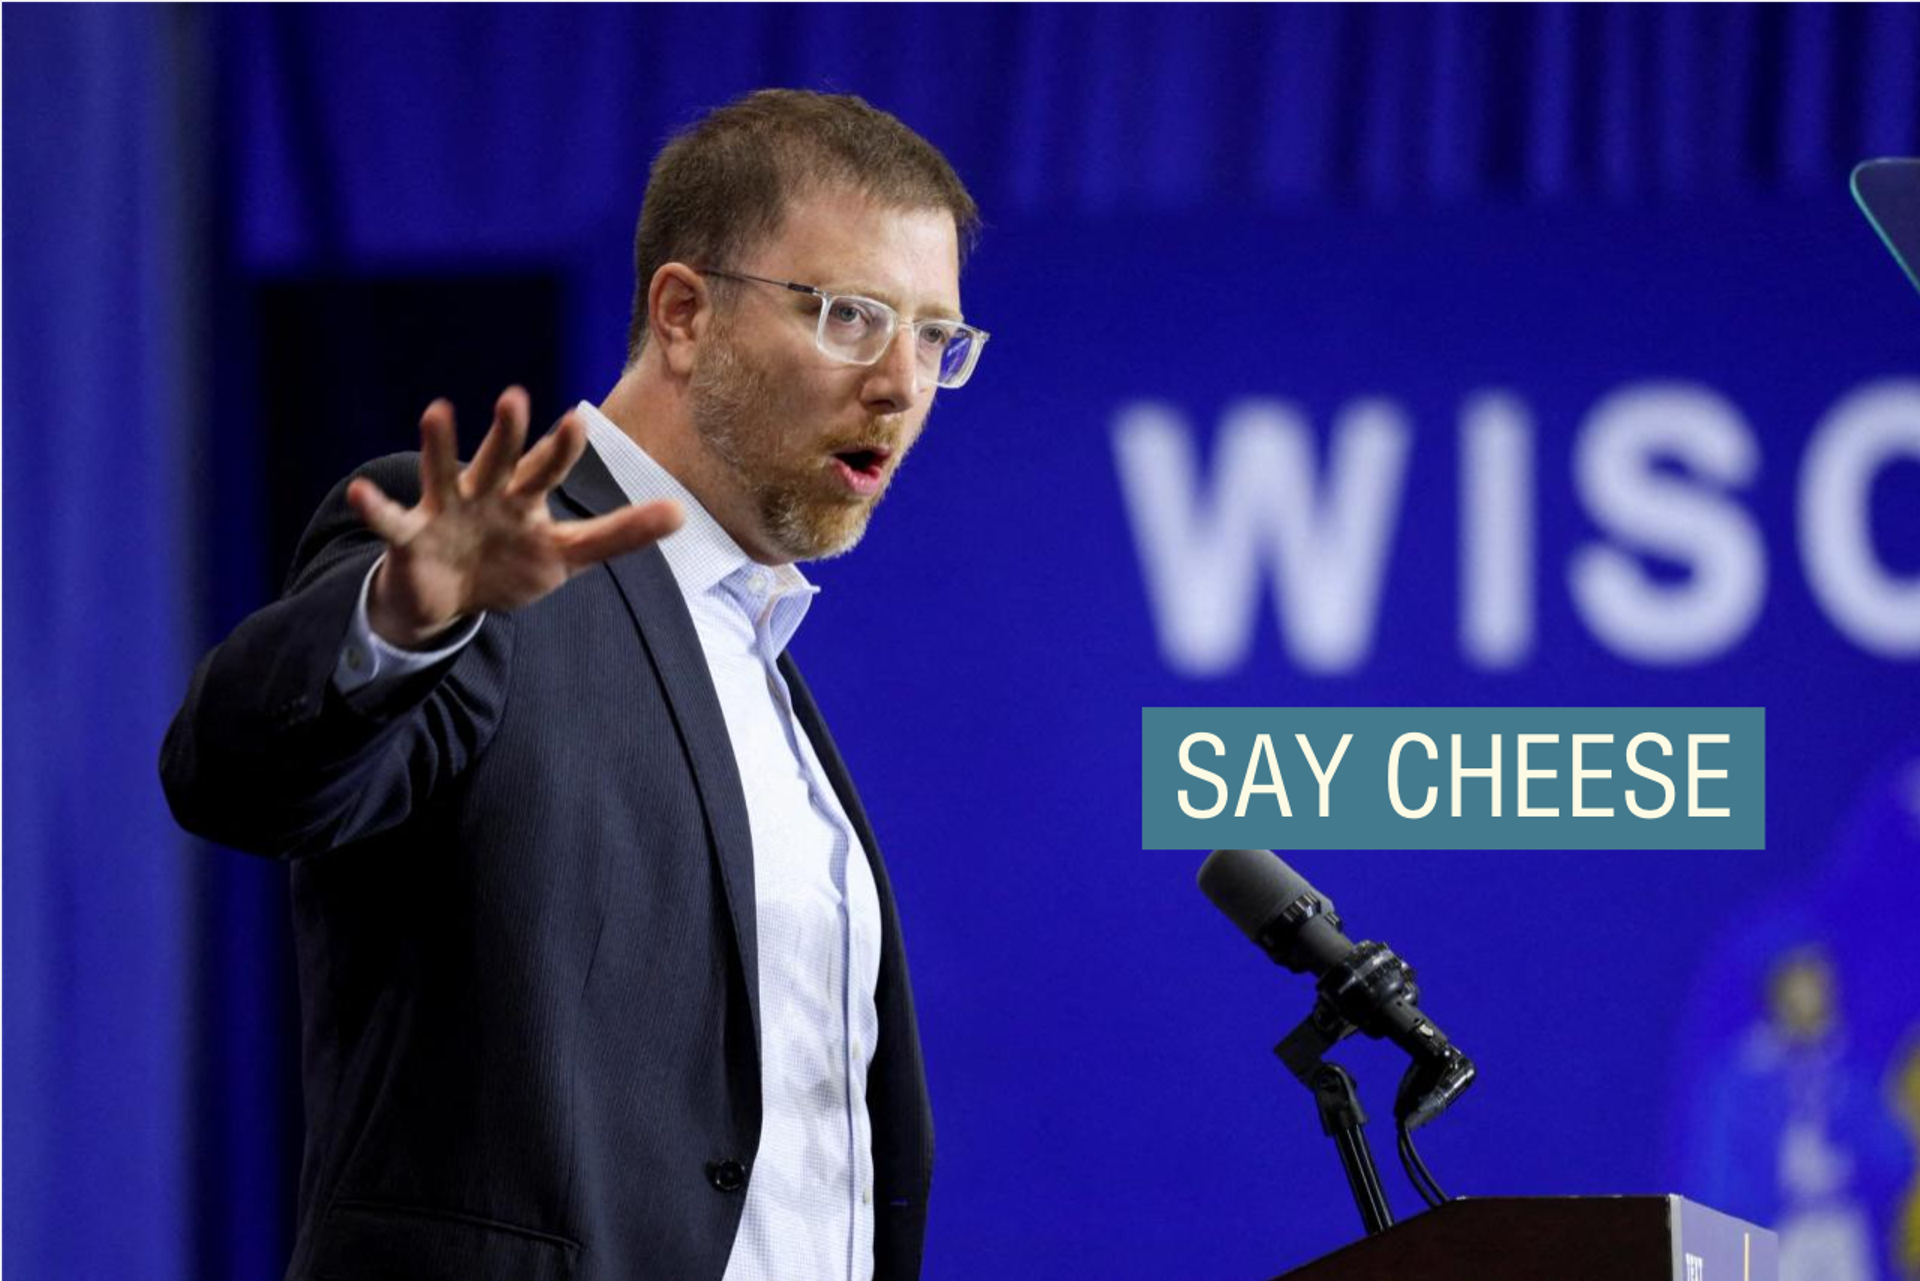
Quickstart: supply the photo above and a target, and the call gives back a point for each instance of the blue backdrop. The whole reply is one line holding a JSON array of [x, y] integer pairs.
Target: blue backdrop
[[1439, 356]]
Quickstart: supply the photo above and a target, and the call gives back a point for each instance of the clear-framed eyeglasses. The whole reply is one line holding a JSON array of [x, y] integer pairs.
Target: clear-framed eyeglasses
[[858, 331]]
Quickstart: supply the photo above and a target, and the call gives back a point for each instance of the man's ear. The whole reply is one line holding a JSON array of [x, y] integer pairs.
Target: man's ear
[[679, 309]]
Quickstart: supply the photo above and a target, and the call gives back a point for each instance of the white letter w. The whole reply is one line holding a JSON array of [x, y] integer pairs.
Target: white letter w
[[1202, 554]]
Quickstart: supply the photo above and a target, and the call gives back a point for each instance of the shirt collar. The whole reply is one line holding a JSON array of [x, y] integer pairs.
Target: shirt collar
[[700, 553]]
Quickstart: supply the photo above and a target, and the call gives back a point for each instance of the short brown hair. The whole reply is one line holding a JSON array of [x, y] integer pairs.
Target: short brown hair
[[723, 183]]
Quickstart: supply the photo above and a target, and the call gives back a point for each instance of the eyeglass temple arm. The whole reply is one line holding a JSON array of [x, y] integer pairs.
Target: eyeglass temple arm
[[792, 285]]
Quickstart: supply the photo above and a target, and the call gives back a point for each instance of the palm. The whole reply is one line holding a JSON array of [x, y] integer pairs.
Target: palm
[[482, 538]]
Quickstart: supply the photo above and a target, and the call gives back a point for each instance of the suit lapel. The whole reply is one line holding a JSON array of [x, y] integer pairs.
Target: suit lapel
[[896, 1083], [807, 712], [659, 611]]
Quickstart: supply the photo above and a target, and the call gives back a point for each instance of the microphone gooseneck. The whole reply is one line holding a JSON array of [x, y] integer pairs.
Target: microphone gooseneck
[[1364, 985]]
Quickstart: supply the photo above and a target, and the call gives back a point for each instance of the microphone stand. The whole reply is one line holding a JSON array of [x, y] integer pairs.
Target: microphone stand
[[1341, 1117]]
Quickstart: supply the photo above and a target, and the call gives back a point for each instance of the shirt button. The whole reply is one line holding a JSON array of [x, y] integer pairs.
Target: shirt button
[[356, 659], [726, 1176], [866, 1196]]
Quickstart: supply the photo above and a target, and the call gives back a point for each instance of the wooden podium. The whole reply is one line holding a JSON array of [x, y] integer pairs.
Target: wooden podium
[[1586, 1238]]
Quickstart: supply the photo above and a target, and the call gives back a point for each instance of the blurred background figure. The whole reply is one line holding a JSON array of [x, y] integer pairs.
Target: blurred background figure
[[1905, 1091], [1792, 1117]]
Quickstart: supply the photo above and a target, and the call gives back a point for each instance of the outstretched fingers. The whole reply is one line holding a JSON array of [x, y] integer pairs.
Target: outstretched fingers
[[493, 465], [439, 458], [395, 524], [588, 542], [547, 463]]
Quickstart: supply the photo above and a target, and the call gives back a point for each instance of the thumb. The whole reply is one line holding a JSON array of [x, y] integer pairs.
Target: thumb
[[588, 542]]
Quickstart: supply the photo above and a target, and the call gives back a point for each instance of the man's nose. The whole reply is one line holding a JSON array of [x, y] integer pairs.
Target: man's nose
[[894, 381]]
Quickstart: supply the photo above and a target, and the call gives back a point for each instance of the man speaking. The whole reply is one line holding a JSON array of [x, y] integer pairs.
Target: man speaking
[[600, 972]]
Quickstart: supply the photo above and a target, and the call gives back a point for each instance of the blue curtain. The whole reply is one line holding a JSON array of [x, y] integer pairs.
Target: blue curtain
[[105, 301]]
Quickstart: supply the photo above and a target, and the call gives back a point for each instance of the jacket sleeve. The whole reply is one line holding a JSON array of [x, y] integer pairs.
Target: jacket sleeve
[[267, 756]]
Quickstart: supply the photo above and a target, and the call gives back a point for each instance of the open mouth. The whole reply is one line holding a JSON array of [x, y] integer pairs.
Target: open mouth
[[864, 462], [862, 470]]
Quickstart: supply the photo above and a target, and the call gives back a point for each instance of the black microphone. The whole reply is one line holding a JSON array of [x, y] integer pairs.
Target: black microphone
[[1364, 984]]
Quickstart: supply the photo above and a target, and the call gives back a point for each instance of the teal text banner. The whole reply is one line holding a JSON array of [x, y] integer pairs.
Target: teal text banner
[[1453, 778]]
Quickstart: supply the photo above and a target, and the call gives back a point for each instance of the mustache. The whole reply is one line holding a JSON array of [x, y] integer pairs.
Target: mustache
[[878, 434], [890, 432]]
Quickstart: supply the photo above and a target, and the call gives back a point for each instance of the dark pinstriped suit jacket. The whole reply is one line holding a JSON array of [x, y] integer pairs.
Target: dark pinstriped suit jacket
[[523, 903]]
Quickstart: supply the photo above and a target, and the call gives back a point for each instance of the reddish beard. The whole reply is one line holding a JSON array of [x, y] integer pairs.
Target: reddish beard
[[804, 515]]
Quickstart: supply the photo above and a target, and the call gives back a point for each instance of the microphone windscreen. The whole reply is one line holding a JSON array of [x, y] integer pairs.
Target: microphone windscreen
[[1251, 886]]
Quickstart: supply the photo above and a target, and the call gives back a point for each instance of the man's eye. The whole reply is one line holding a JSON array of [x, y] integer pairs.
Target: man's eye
[[936, 335], [852, 315]]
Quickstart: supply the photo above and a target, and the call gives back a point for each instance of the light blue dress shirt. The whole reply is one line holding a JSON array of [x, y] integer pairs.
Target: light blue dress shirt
[[809, 1205]]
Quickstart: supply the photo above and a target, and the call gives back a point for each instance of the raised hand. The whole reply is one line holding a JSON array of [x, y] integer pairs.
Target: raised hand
[[481, 538]]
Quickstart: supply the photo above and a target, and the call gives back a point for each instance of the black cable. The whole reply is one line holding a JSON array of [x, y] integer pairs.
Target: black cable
[[1417, 1172], [1407, 1162], [1426, 1193]]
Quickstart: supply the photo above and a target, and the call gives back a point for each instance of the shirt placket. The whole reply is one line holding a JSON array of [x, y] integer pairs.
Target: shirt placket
[[760, 595]]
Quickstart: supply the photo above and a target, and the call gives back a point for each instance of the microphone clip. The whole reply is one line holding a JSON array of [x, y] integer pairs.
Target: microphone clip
[[1372, 990]]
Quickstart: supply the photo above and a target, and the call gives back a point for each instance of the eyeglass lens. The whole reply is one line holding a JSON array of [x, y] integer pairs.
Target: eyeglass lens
[[860, 329]]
